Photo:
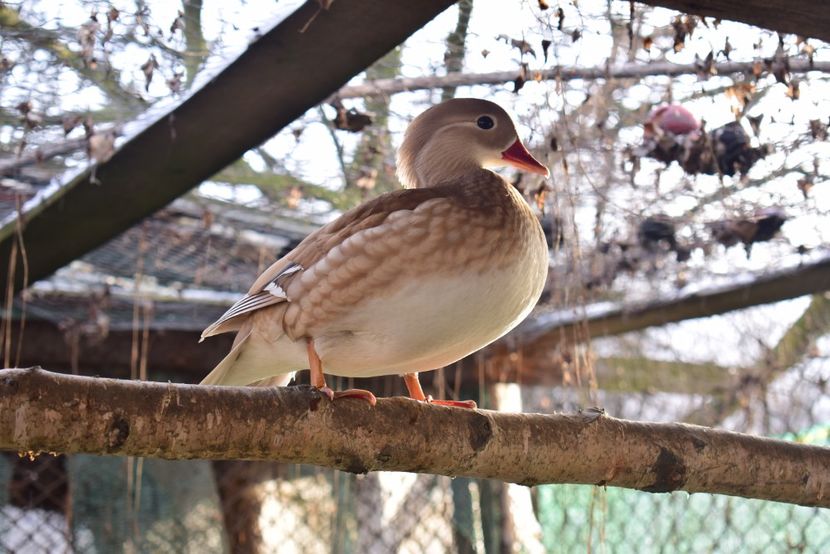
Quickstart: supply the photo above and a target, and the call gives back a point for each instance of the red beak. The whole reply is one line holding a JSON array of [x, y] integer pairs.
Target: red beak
[[518, 156]]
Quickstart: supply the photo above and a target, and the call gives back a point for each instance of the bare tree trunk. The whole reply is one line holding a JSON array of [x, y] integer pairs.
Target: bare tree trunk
[[239, 485], [463, 524], [43, 411], [456, 49], [195, 43], [372, 537], [372, 168], [495, 518]]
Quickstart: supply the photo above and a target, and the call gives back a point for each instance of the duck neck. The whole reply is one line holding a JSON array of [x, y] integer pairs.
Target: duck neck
[[438, 163]]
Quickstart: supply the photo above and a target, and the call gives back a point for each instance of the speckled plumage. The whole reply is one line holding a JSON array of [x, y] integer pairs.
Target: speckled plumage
[[410, 281]]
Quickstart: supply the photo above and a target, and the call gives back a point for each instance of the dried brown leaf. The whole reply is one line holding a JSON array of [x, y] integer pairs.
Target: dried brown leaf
[[69, 122], [809, 50], [755, 123], [520, 80], [818, 129], [178, 23], [545, 45], [684, 27], [148, 68], [522, 45], [367, 179], [757, 68], [86, 38], [350, 119], [293, 197], [174, 83], [741, 92], [727, 48], [793, 89], [554, 143], [101, 146], [32, 120], [780, 66], [804, 185]]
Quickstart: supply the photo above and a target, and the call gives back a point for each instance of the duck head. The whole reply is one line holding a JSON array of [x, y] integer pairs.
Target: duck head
[[457, 137]]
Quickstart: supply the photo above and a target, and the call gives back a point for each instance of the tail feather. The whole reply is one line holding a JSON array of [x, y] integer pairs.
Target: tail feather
[[266, 353], [221, 374]]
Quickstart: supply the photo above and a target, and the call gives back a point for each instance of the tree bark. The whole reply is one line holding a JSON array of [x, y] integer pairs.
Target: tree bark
[[539, 334], [239, 485], [44, 411], [625, 71], [456, 49], [807, 18]]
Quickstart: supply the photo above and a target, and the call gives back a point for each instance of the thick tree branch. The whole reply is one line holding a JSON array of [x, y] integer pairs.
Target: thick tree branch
[[625, 71], [793, 347], [807, 18], [43, 411], [537, 336]]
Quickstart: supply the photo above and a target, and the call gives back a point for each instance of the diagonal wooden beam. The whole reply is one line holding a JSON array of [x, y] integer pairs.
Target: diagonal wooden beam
[[289, 69], [808, 18]]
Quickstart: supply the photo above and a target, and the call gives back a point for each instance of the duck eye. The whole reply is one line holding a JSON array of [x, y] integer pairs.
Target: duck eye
[[485, 122]]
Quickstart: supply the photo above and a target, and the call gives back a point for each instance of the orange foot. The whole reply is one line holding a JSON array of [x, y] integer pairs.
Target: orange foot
[[416, 392], [318, 380], [350, 393]]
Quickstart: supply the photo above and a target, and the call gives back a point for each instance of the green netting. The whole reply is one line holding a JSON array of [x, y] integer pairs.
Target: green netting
[[627, 521], [167, 506]]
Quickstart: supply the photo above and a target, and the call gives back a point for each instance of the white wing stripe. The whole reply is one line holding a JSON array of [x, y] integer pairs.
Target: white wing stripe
[[276, 290], [272, 294]]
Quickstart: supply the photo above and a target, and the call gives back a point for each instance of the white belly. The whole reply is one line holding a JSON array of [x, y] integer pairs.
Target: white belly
[[428, 324]]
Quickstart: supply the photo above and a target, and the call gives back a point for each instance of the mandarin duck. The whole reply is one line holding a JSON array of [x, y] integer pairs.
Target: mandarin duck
[[410, 281]]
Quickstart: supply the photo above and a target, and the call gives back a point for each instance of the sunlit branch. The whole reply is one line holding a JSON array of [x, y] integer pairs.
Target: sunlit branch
[[48, 412]]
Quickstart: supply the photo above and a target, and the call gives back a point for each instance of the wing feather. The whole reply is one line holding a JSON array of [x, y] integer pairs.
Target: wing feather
[[272, 293], [269, 288]]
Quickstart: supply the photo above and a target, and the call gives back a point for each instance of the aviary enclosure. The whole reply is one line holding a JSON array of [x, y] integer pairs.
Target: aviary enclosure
[[156, 157]]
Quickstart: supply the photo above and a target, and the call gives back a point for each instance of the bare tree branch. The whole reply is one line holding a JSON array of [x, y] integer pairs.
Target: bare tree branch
[[42, 411], [792, 348], [40, 154], [50, 41], [539, 335], [44, 152], [626, 71]]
